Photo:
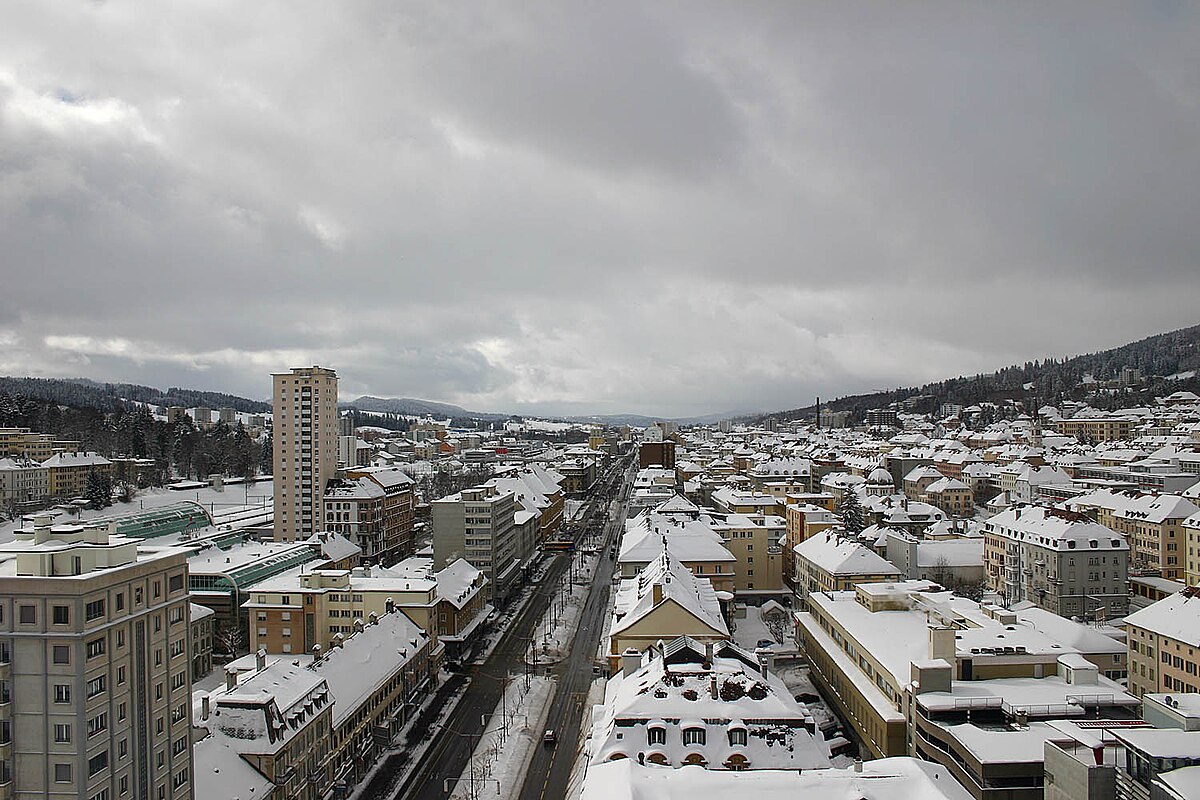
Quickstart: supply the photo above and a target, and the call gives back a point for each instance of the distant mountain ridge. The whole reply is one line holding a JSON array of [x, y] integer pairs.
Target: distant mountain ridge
[[408, 406], [1159, 358]]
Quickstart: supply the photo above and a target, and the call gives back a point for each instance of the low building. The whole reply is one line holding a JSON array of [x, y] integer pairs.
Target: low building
[[712, 705], [885, 779], [67, 473], [664, 601], [914, 668], [831, 561]]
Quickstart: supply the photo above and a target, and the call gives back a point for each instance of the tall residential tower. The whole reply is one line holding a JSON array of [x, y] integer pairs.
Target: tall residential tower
[[305, 436]]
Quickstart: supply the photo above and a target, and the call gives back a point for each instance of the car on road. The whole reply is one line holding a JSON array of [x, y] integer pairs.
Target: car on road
[[549, 738]]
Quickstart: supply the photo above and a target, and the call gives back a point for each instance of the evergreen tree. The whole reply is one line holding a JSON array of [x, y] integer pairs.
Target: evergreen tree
[[98, 491], [851, 512]]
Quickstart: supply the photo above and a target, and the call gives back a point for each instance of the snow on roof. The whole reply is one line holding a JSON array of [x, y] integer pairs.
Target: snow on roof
[[884, 779], [1162, 742], [680, 694], [922, 473], [198, 612], [334, 546], [222, 774], [947, 485], [1177, 617], [353, 489], [76, 460], [650, 534], [1054, 529], [367, 660], [838, 555], [255, 713], [636, 596]]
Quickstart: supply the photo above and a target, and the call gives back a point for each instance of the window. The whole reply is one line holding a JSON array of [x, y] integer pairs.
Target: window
[[27, 615], [693, 736], [656, 735], [100, 795], [175, 583], [121, 601], [62, 654], [98, 763], [96, 686], [95, 648], [62, 693], [121, 712], [178, 746], [180, 779], [62, 615], [158, 691], [157, 589], [62, 734], [121, 676], [62, 773], [120, 637], [737, 736], [122, 748], [95, 609], [98, 724]]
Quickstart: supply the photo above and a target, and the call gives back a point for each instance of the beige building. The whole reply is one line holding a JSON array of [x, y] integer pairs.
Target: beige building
[[755, 541], [67, 473], [831, 562], [1164, 645], [305, 436], [24, 443], [663, 602], [95, 673], [22, 481]]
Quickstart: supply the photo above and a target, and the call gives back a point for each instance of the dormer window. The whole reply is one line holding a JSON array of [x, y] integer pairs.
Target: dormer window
[[656, 735], [737, 736], [694, 736]]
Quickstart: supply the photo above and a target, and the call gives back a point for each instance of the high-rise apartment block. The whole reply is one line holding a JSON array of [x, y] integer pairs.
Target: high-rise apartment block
[[305, 438], [95, 671]]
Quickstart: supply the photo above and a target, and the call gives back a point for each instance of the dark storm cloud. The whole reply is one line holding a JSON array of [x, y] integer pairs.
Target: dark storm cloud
[[675, 208]]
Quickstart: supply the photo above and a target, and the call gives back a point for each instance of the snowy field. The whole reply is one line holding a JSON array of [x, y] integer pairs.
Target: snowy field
[[234, 498]]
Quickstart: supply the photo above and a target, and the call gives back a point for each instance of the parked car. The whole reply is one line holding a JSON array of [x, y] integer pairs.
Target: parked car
[[549, 738], [765, 643]]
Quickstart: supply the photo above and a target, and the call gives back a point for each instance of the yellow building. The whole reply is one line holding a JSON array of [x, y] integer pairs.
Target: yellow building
[[1164, 645], [68, 472], [756, 542]]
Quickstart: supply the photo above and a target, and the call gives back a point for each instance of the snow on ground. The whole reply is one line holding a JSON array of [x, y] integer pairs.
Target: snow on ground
[[234, 497], [498, 767], [594, 698]]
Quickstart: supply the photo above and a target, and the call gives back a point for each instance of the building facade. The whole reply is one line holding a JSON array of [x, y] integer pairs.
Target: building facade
[[305, 448], [95, 673]]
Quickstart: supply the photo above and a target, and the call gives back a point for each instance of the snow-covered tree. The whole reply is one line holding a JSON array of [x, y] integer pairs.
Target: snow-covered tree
[[851, 512]]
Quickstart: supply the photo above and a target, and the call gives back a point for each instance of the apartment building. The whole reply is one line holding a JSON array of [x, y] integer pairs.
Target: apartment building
[[354, 508], [756, 543], [305, 436], [1164, 645], [1098, 429], [1058, 560], [977, 689], [67, 473], [691, 542], [26, 444], [202, 621], [480, 525], [22, 481], [950, 495], [1153, 524], [95, 672], [1191, 539], [831, 561], [398, 509]]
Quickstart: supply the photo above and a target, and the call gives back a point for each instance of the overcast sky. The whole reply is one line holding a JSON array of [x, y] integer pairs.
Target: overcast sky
[[666, 208]]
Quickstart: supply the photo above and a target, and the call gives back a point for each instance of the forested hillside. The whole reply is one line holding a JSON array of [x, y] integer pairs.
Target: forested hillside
[[1159, 358]]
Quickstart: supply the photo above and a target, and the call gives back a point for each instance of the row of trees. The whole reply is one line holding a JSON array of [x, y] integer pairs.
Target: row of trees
[[178, 449]]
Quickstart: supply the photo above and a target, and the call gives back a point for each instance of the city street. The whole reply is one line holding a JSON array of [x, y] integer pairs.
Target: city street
[[454, 741]]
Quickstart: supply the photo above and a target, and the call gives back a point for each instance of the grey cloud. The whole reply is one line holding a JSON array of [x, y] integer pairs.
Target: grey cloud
[[676, 208]]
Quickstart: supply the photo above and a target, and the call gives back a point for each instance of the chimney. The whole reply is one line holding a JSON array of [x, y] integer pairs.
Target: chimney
[[260, 659], [766, 660], [372, 618], [858, 765], [316, 653], [712, 686], [204, 701], [708, 652], [389, 605], [941, 644], [230, 678], [631, 662], [657, 590]]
